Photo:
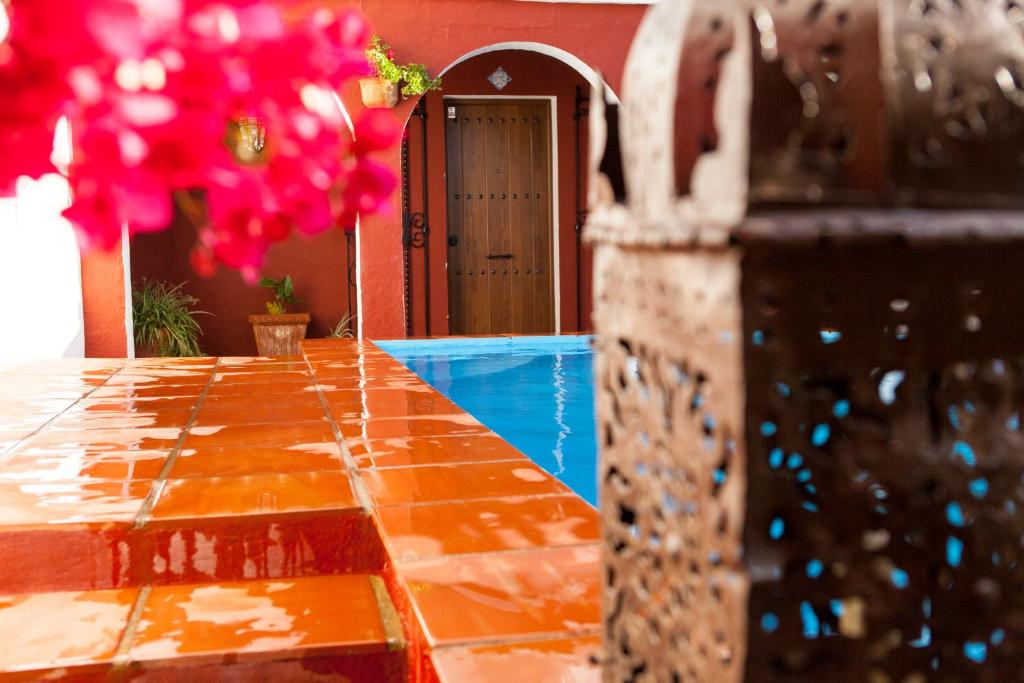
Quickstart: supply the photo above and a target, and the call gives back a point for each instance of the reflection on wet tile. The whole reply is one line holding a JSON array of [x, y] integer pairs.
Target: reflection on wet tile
[[256, 494], [522, 594], [29, 503], [59, 466], [308, 616], [565, 660], [102, 440], [455, 482], [416, 425], [259, 435], [433, 450], [394, 405], [212, 414], [422, 531], [44, 631], [233, 461]]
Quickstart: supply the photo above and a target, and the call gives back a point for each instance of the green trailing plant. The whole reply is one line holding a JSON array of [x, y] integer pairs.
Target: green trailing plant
[[415, 77], [284, 294], [343, 330], [163, 317]]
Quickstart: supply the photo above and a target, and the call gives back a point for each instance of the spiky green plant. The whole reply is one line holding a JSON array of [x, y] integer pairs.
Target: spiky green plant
[[343, 330], [163, 318]]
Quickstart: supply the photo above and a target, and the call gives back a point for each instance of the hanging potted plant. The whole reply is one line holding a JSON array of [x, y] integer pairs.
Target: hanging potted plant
[[381, 90], [279, 332], [162, 317]]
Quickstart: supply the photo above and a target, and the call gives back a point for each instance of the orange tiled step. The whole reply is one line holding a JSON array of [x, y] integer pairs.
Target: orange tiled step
[[92, 534], [314, 628]]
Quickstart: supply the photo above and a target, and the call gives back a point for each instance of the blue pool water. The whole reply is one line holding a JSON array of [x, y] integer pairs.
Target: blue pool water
[[536, 392]]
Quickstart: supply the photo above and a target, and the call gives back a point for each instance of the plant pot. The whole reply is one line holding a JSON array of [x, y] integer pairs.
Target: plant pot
[[378, 93], [151, 350], [279, 335]]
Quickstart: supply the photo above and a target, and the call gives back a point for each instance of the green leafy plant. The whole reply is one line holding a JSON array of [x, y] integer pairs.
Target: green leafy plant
[[284, 294], [163, 318], [382, 59], [343, 330]]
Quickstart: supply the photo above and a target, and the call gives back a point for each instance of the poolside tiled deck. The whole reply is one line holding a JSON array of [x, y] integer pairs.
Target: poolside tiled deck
[[324, 517]]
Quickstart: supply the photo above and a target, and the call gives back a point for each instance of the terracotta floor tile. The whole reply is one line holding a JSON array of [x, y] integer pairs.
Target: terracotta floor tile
[[122, 420], [418, 404], [32, 503], [376, 371], [278, 392], [156, 391], [260, 435], [348, 395], [456, 482], [259, 401], [412, 425], [312, 615], [142, 379], [256, 494], [250, 365], [131, 404], [416, 532], [561, 660], [284, 377], [433, 450], [43, 631], [228, 361], [56, 466], [504, 595], [214, 414], [217, 462], [102, 440]]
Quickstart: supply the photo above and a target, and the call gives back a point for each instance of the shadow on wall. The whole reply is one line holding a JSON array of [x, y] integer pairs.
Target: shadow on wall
[[318, 265]]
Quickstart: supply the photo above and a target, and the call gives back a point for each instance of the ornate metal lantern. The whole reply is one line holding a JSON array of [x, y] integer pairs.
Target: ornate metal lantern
[[811, 347]]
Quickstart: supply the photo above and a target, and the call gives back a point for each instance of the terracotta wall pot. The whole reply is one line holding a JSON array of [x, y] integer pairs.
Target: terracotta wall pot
[[279, 335], [150, 350], [378, 93]]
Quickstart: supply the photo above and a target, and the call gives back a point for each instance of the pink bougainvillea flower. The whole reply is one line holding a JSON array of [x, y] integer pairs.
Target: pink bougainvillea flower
[[153, 89]]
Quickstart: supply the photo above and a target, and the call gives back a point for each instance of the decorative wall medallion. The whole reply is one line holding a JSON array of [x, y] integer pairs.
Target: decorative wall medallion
[[500, 78]]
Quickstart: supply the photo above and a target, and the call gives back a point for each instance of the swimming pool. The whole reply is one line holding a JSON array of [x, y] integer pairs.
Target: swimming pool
[[536, 392]]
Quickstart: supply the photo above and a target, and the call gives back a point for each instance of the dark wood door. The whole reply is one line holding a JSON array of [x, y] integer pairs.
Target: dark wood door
[[499, 217]]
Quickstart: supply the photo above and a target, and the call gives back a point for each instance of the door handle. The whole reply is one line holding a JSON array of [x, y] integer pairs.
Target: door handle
[[494, 256]]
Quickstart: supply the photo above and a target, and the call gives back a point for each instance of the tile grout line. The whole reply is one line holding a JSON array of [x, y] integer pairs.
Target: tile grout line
[[122, 656], [158, 484], [10, 449], [355, 481], [524, 638], [457, 463]]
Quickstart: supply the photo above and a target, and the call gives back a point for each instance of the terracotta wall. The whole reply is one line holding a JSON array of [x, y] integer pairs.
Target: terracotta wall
[[316, 264], [103, 304], [437, 33], [533, 74]]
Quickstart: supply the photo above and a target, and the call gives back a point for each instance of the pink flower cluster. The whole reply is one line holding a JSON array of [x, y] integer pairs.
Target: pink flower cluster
[[166, 97]]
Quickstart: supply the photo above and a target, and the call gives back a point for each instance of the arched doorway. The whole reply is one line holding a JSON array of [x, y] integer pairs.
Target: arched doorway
[[442, 233]]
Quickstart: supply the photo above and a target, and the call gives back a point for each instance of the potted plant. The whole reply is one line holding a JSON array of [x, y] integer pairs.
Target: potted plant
[[381, 90], [279, 332], [162, 316]]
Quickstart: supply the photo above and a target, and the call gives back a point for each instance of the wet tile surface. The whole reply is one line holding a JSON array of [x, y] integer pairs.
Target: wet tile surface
[[164, 471], [312, 615], [565, 660], [90, 627], [258, 494], [457, 482], [423, 531], [506, 595]]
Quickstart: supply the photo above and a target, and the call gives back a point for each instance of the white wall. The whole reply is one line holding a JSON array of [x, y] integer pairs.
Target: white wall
[[40, 275]]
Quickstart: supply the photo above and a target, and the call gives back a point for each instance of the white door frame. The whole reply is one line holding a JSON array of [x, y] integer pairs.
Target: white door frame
[[556, 282]]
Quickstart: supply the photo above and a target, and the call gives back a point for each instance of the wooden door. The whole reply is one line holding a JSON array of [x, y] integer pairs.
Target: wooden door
[[499, 217]]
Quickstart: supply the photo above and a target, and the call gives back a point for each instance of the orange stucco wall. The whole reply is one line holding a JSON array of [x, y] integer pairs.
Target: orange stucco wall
[[103, 304], [438, 32]]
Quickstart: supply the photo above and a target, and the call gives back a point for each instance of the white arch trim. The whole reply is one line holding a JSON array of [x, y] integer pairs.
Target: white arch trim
[[561, 55]]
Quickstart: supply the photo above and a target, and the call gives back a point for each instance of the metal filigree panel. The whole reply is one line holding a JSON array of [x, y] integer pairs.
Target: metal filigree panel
[[672, 472], [884, 387]]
